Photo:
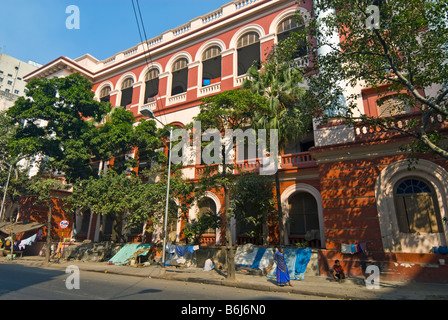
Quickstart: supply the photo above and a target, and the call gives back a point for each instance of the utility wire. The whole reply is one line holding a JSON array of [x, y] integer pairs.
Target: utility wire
[[146, 54]]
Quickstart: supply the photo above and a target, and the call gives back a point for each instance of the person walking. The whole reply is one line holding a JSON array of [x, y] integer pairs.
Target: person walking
[[282, 270]]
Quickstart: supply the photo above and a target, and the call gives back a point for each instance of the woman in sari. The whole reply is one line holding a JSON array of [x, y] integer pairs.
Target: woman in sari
[[282, 269]]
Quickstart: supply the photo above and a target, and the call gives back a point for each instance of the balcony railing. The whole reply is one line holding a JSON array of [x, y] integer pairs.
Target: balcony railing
[[297, 160], [247, 165], [289, 161], [177, 98], [365, 131], [213, 88]]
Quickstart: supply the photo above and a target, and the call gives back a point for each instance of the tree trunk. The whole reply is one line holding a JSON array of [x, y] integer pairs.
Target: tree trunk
[[230, 256], [280, 210], [47, 253]]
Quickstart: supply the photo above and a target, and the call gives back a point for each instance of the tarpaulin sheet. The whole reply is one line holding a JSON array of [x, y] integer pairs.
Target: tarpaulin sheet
[[127, 251], [296, 260], [254, 257], [18, 227]]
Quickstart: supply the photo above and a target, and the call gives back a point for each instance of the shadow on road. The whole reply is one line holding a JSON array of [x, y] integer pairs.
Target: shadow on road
[[14, 277]]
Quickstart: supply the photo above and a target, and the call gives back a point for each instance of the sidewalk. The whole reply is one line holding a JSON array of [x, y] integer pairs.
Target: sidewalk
[[351, 288]]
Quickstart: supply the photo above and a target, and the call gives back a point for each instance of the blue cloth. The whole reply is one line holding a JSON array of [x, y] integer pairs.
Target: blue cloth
[[258, 257], [181, 250], [303, 257], [126, 252]]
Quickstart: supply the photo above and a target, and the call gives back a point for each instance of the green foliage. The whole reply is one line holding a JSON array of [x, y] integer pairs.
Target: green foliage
[[44, 188], [58, 121], [405, 55], [231, 109], [195, 228], [130, 198], [50, 122], [252, 202], [279, 83]]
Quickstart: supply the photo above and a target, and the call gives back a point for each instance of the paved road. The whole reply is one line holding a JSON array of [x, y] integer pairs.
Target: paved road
[[18, 282]]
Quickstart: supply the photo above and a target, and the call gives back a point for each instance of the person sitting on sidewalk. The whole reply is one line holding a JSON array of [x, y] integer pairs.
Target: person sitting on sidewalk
[[338, 271], [209, 266]]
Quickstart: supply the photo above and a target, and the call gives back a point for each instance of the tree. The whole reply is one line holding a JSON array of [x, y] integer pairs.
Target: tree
[[397, 47], [195, 228], [252, 203], [280, 84], [52, 123], [18, 180], [227, 110], [106, 195], [150, 199]]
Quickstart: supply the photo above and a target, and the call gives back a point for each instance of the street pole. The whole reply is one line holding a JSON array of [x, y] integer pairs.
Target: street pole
[[147, 112], [165, 221], [4, 192]]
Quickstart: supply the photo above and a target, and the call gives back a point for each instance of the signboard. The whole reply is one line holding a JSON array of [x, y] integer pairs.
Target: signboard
[[63, 224]]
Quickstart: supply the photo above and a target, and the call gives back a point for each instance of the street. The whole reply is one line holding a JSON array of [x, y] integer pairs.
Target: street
[[18, 282]]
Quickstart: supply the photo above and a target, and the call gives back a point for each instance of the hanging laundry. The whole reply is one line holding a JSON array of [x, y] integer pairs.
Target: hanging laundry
[[346, 248], [27, 242], [181, 250], [362, 247], [170, 248]]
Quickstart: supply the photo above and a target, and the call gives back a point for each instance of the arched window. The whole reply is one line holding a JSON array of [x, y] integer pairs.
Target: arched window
[[390, 106], [248, 49], [285, 28], [105, 94], [126, 92], [417, 207], [303, 215], [180, 76], [211, 66], [151, 85], [207, 205]]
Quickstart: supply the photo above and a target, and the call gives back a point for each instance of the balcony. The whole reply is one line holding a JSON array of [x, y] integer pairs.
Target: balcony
[[297, 160], [182, 97], [247, 165], [365, 132], [210, 89], [290, 161]]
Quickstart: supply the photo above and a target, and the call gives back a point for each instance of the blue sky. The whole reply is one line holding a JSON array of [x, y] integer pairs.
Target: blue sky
[[36, 29]]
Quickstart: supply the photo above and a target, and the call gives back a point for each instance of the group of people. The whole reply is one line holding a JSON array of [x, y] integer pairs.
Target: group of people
[[283, 274]]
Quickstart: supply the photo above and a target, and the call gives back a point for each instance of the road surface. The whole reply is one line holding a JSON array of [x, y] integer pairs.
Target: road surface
[[18, 282]]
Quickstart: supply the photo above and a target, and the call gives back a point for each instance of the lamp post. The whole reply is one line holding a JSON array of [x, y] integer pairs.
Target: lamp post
[[148, 113], [4, 191]]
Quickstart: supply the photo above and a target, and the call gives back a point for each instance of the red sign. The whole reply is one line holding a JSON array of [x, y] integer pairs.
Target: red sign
[[63, 224]]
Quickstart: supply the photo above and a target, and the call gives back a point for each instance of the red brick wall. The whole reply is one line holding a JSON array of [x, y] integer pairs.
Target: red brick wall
[[30, 211]]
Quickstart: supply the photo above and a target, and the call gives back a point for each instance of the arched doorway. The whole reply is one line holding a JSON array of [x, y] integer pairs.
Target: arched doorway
[[303, 215], [208, 203], [302, 225]]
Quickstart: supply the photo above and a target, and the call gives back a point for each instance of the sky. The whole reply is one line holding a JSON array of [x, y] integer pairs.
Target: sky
[[37, 29]]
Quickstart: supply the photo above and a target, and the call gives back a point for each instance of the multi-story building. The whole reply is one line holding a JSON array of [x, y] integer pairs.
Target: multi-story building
[[12, 84], [340, 186]]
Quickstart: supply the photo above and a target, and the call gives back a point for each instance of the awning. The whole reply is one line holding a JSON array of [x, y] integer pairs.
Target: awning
[[18, 227]]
